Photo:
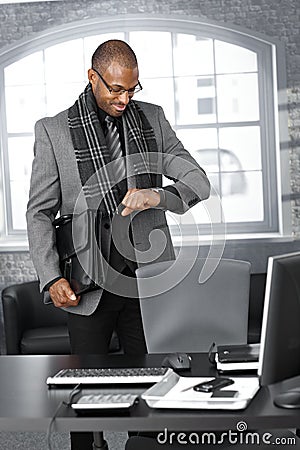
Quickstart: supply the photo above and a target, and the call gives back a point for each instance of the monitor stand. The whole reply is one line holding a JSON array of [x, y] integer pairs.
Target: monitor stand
[[289, 399]]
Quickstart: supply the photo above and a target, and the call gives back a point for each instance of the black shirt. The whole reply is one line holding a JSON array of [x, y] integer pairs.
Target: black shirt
[[119, 124]]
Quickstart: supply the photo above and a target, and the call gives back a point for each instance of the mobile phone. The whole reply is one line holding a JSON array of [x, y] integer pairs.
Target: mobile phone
[[213, 385]]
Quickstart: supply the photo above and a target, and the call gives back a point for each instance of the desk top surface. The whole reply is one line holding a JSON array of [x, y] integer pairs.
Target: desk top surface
[[27, 404]]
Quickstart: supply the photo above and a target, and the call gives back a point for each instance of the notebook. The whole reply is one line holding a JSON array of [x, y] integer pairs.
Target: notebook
[[237, 357], [176, 392]]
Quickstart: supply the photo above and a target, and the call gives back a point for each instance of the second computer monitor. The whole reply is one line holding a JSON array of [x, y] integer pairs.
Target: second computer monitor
[[280, 337]]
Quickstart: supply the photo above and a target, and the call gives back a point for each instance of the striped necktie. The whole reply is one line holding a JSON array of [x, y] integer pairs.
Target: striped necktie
[[114, 146]]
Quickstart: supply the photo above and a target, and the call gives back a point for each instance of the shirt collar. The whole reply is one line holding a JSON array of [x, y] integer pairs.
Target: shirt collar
[[102, 116]]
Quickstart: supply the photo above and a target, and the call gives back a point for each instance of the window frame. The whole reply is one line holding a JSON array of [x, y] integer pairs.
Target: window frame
[[269, 52]]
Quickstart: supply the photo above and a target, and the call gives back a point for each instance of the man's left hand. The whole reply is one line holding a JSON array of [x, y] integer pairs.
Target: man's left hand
[[139, 200]]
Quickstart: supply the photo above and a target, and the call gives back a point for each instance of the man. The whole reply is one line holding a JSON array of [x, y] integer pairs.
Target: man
[[75, 147]]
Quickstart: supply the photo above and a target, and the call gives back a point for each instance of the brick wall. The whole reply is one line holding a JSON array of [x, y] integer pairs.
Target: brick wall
[[275, 18], [15, 268]]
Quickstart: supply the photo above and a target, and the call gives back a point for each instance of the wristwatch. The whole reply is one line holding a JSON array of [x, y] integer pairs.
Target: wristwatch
[[162, 194]]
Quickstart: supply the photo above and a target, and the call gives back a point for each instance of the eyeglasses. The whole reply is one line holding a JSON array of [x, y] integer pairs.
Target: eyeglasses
[[118, 90]]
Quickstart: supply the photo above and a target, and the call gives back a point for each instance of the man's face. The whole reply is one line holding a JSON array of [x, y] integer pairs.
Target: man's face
[[116, 77]]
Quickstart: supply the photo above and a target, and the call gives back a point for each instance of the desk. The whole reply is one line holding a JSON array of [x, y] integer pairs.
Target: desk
[[27, 404]]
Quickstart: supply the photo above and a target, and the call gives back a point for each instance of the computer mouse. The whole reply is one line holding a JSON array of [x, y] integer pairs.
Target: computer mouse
[[177, 361]]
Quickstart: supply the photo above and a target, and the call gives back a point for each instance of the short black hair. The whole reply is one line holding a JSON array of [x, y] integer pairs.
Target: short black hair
[[113, 50]]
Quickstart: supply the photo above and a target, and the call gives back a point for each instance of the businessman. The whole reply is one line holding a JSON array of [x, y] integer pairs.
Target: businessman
[[106, 125]]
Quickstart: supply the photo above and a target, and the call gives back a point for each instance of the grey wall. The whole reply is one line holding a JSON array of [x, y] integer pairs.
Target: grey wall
[[275, 18]]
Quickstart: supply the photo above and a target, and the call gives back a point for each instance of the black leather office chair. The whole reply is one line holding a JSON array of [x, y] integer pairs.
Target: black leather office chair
[[33, 328]]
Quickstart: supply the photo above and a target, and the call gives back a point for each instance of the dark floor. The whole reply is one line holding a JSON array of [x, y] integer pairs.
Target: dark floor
[[38, 441]]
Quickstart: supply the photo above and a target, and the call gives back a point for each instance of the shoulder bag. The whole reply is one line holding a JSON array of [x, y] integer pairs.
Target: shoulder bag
[[77, 242]]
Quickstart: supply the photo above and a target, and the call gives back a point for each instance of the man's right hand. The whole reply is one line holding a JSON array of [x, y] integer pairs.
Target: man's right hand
[[62, 294]]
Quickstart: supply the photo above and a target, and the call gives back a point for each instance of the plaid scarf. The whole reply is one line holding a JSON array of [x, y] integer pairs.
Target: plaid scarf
[[92, 154]]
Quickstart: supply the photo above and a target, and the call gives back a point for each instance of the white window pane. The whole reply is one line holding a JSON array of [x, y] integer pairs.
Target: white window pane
[[62, 96], [24, 106], [194, 140], [20, 154], [159, 91], [210, 159], [229, 162], [247, 206], [232, 58], [215, 160], [196, 100], [214, 180], [64, 62], [208, 212], [90, 44], [237, 97], [193, 55], [19, 199], [244, 142], [153, 50], [233, 183], [28, 70]]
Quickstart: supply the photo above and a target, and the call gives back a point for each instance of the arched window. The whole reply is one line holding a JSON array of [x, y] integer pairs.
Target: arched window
[[218, 88]]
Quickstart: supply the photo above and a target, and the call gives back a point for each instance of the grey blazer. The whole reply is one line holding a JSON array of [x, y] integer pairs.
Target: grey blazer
[[55, 187]]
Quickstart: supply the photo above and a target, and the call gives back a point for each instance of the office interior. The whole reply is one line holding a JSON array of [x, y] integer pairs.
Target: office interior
[[277, 22], [276, 227]]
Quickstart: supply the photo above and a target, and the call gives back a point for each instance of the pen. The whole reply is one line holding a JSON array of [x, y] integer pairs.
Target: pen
[[188, 388], [193, 386]]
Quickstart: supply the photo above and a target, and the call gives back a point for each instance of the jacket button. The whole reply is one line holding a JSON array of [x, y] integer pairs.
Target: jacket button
[[106, 226]]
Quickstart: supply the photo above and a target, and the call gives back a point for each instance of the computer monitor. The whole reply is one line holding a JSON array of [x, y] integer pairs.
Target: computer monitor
[[279, 357]]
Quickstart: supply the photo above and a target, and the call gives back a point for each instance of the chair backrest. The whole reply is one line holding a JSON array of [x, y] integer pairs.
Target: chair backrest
[[31, 327], [187, 316], [24, 313], [28, 301]]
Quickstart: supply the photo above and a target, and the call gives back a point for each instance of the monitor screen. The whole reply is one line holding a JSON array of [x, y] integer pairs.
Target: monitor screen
[[279, 357]]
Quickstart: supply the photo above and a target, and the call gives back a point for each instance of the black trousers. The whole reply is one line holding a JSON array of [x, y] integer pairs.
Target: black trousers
[[92, 334]]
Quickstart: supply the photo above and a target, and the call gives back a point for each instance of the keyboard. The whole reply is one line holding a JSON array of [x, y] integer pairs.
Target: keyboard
[[140, 375], [93, 402]]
